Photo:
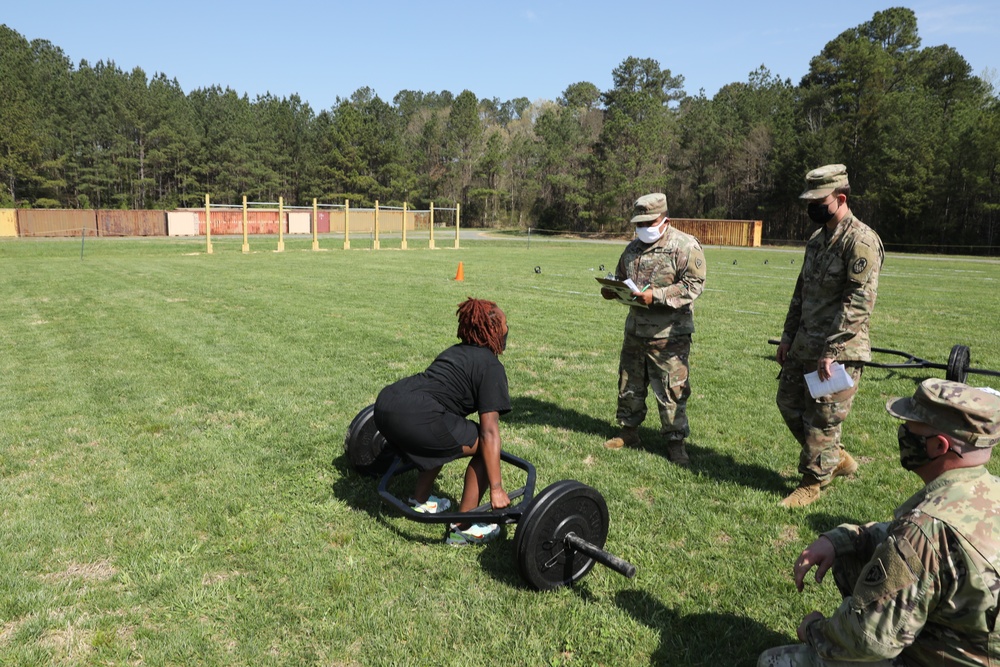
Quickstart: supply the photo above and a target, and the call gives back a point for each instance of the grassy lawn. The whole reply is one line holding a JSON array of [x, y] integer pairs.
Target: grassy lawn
[[174, 490]]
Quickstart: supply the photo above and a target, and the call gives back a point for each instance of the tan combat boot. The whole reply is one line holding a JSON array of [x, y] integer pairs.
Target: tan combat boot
[[847, 466], [629, 435], [806, 493], [676, 453]]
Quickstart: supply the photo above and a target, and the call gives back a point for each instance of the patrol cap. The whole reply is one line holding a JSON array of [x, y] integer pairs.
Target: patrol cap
[[963, 412], [821, 181], [649, 207]]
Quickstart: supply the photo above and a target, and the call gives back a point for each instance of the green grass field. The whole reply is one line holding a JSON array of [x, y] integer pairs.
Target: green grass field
[[174, 489]]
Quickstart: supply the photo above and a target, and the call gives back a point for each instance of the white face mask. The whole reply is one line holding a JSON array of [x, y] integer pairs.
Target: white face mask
[[650, 234]]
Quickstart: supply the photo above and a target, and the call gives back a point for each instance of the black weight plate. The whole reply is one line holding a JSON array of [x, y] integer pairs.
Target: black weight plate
[[366, 448], [958, 364], [543, 558]]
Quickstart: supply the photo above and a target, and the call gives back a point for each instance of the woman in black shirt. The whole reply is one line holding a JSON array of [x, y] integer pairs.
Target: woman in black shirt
[[424, 417]]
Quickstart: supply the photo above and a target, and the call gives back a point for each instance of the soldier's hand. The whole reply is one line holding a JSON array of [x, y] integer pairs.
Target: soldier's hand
[[823, 368], [607, 294], [809, 618], [782, 354], [644, 298], [820, 554]]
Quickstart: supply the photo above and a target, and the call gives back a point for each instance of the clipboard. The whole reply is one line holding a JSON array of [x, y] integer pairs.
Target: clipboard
[[623, 290]]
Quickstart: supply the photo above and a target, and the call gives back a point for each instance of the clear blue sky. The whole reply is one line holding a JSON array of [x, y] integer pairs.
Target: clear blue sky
[[519, 48]]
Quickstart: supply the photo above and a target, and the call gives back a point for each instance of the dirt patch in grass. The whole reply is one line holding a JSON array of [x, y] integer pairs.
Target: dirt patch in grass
[[213, 578], [102, 570], [788, 535], [70, 644]]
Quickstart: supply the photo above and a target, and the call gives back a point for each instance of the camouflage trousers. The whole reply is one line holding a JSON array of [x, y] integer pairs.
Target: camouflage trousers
[[660, 363], [803, 655], [815, 422]]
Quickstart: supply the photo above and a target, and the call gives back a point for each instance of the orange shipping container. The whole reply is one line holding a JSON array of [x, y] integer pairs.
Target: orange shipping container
[[56, 222], [132, 223], [745, 233]]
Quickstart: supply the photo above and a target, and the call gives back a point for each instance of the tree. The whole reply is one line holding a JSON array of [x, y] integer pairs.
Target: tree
[[848, 93], [463, 137], [20, 147], [174, 145], [581, 95], [229, 165], [564, 149], [631, 155]]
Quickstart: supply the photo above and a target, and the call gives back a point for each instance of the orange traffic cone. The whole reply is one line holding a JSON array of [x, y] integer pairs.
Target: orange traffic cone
[[460, 274]]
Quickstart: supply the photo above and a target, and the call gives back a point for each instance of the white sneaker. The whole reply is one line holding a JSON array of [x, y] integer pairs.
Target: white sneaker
[[477, 533], [433, 505]]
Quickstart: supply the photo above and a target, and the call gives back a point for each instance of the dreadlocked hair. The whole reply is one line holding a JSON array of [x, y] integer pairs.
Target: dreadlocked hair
[[479, 324]]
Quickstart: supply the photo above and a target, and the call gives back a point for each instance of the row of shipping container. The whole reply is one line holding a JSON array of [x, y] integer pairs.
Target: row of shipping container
[[191, 222], [229, 221]]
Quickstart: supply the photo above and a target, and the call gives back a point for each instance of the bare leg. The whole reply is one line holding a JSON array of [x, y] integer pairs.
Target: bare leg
[[476, 483], [425, 482]]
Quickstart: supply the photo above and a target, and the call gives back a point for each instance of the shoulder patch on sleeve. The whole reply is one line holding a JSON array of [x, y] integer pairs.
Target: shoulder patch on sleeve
[[893, 567], [860, 265], [875, 574]]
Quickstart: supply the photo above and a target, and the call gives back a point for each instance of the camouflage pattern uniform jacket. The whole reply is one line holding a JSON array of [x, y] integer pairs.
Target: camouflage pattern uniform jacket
[[835, 294], [928, 589], [674, 268]]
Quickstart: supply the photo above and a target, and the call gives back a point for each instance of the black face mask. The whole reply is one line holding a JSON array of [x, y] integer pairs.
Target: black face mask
[[912, 449], [503, 345], [820, 213]]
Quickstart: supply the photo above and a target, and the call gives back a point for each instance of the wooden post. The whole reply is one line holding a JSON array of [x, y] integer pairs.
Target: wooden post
[[431, 244], [246, 244], [208, 225], [403, 244], [458, 208], [347, 224], [281, 224], [375, 242], [315, 226]]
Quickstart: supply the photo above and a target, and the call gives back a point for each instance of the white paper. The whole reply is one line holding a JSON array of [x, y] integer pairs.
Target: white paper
[[839, 381], [631, 285]]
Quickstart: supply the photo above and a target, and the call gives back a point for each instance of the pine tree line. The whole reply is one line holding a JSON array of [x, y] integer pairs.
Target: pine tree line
[[919, 132]]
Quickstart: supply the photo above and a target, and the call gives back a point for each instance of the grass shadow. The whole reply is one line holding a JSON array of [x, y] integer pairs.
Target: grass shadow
[[530, 410], [358, 491], [699, 639], [720, 467], [498, 560]]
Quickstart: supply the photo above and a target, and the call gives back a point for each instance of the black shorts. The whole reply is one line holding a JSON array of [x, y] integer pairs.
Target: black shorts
[[420, 429]]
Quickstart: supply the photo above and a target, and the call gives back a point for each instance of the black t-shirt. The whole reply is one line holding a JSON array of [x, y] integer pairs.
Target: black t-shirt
[[464, 379]]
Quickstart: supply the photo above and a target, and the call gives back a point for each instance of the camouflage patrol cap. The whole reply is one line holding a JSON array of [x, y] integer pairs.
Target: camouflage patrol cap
[[824, 180], [649, 207], [963, 412]]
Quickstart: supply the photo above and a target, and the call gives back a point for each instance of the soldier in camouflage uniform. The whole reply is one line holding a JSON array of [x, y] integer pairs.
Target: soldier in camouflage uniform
[[827, 321], [923, 589], [659, 326]]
